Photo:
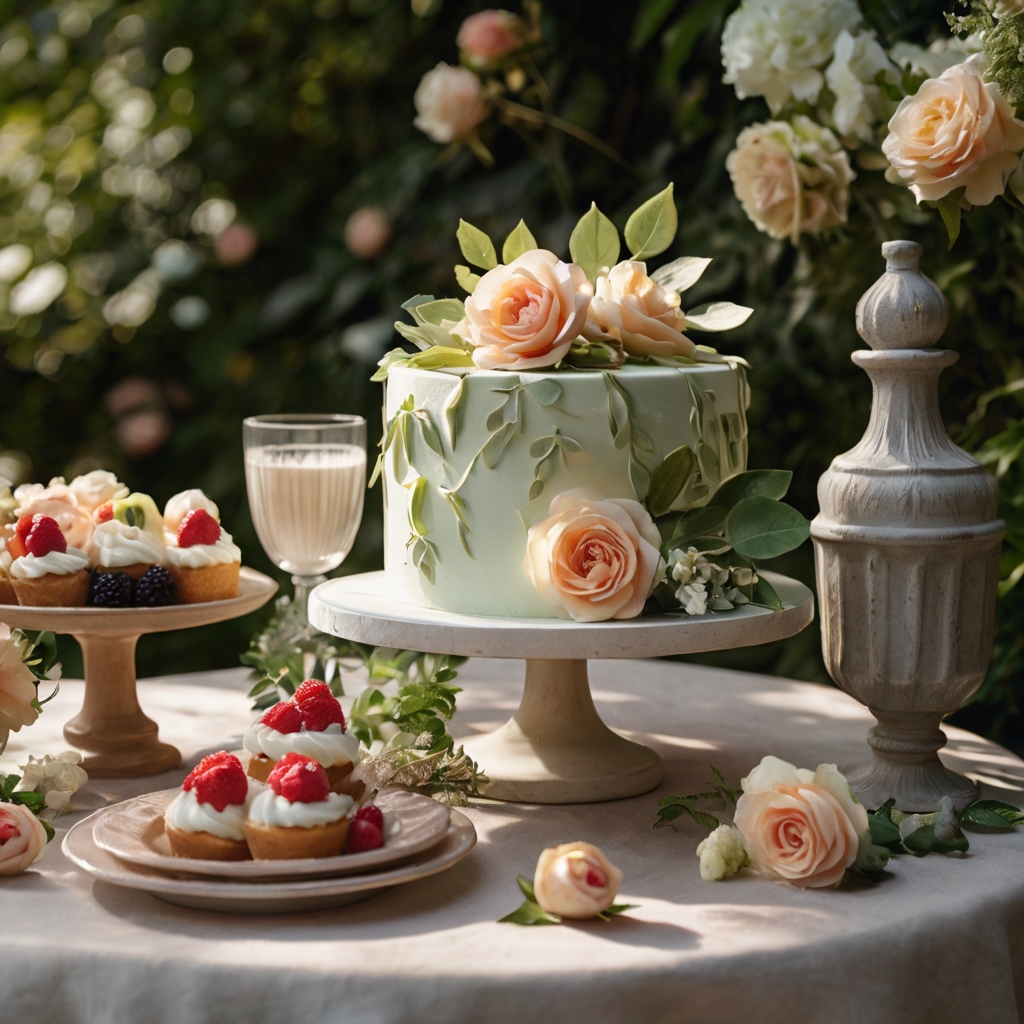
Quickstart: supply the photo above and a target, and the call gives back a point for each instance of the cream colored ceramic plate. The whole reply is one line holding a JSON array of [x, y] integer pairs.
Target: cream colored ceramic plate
[[134, 831], [265, 897]]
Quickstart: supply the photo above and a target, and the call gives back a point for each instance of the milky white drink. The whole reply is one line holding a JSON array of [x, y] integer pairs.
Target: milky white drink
[[306, 502]]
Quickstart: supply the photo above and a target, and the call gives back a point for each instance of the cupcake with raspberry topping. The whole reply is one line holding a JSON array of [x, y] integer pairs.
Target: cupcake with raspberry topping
[[180, 505], [298, 816], [7, 595], [44, 571], [311, 723], [206, 819], [203, 559], [58, 502]]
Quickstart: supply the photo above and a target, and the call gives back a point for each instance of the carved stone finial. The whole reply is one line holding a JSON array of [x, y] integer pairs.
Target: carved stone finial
[[903, 308]]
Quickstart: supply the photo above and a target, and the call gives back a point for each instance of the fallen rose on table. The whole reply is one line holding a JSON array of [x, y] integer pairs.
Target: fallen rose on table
[[809, 829], [573, 881]]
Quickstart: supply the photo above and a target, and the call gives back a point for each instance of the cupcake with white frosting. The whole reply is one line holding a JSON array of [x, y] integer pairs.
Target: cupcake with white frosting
[[7, 595], [180, 505], [204, 560], [45, 571], [116, 547], [298, 815], [206, 819], [58, 502]]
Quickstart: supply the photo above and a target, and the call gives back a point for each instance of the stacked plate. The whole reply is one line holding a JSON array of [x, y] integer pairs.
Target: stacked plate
[[126, 845]]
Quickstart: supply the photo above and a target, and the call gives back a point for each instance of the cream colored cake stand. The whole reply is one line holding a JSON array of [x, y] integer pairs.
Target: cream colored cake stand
[[111, 726], [555, 749]]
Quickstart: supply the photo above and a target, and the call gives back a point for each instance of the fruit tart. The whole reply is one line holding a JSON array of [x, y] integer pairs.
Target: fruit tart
[[127, 536], [311, 723], [206, 819], [44, 570], [298, 816], [203, 559]]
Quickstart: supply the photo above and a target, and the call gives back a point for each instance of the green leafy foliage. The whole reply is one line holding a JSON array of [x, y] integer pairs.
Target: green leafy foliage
[[520, 240], [594, 243], [531, 913], [476, 246], [721, 798], [669, 479], [652, 226], [760, 527]]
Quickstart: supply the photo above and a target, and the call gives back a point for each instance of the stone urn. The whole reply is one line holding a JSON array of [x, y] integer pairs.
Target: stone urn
[[906, 550]]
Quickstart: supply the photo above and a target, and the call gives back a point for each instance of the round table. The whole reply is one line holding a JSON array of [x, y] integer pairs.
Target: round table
[[942, 941]]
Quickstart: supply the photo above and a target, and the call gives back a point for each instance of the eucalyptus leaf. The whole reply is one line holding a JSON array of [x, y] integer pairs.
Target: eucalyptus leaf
[[439, 310], [669, 478], [466, 278], [759, 527], [766, 594], [519, 241], [544, 392], [681, 274], [679, 531], [594, 243], [771, 483], [476, 246], [717, 316], [495, 446], [652, 227]]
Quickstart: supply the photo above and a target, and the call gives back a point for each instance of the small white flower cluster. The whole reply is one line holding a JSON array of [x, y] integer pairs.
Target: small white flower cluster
[[56, 778], [722, 854], [704, 584]]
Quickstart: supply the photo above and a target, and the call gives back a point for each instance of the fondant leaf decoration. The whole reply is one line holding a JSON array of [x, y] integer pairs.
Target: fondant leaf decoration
[[429, 432], [497, 417], [652, 227], [759, 527], [570, 445], [594, 243], [682, 273], [543, 447], [451, 409], [466, 278], [416, 500], [536, 488], [544, 392], [439, 310], [476, 246], [495, 446], [771, 483], [618, 413], [419, 336], [669, 478], [416, 300], [639, 477], [717, 316], [519, 241]]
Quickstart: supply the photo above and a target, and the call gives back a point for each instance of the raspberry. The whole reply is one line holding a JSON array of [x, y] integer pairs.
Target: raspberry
[[155, 588], [284, 717], [104, 513], [299, 779], [218, 780], [363, 835], [110, 590], [312, 688], [320, 712], [373, 814], [198, 527], [44, 536]]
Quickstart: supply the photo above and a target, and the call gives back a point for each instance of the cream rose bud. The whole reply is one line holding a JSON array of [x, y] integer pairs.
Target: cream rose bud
[[635, 310], [525, 314], [22, 839], [957, 130], [575, 880], [594, 558], [489, 35], [17, 685], [800, 826], [449, 103]]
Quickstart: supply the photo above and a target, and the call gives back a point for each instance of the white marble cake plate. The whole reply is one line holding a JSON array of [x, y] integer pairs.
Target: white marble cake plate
[[133, 830], [268, 897], [111, 726], [555, 749]]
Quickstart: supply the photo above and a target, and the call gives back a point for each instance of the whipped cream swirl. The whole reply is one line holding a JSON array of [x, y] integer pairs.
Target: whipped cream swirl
[[95, 488], [187, 814], [199, 556], [115, 544], [279, 812], [330, 747], [184, 502], [56, 563]]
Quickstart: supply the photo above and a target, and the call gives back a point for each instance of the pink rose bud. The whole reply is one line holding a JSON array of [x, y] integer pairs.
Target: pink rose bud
[[236, 245], [22, 839], [489, 35], [367, 232], [575, 880]]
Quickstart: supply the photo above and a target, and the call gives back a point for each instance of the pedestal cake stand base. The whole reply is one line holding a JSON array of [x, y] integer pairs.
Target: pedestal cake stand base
[[555, 749]]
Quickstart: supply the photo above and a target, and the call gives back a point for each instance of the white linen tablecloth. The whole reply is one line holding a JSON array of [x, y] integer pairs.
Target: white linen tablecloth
[[942, 941]]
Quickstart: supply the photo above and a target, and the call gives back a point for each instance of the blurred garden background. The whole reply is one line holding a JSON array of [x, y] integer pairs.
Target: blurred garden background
[[215, 208]]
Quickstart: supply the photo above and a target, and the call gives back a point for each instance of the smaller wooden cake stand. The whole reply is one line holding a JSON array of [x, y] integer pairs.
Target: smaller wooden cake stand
[[111, 726], [555, 749]]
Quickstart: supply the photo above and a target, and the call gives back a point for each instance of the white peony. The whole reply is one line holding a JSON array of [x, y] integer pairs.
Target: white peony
[[860, 104], [722, 854], [56, 778], [449, 103], [776, 48]]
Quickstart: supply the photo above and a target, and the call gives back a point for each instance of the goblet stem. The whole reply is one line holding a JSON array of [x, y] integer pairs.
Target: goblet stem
[[303, 587]]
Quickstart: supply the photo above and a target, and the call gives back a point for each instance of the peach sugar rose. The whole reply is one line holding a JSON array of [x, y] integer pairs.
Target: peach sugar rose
[[22, 839], [575, 880], [526, 314], [593, 558], [60, 502], [800, 826], [631, 308], [957, 130]]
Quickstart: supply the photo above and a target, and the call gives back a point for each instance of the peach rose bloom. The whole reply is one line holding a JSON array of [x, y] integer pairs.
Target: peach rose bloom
[[449, 103], [58, 502], [526, 314], [800, 826], [17, 686], [575, 880], [958, 130], [594, 558], [489, 35], [637, 311], [22, 839]]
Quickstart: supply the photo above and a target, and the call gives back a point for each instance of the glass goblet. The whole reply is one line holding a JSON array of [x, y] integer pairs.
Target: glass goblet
[[305, 475]]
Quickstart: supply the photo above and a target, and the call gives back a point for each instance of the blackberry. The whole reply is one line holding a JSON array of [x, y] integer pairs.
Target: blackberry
[[110, 590], [155, 587]]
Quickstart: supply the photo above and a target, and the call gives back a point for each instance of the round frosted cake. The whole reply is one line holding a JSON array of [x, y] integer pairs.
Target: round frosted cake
[[472, 461]]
